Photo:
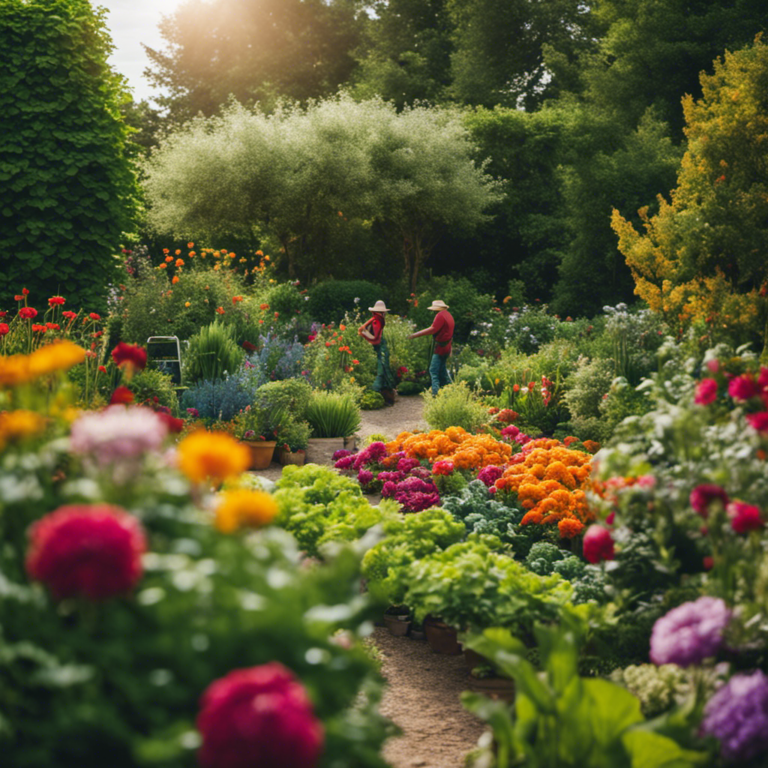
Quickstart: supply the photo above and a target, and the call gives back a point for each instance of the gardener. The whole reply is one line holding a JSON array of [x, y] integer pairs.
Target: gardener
[[373, 330], [442, 330]]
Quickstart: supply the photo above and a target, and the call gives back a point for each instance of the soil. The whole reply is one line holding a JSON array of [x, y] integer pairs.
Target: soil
[[422, 695]]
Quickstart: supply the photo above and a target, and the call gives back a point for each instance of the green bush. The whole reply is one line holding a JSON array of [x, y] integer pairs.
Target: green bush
[[329, 301], [286, 299], [455, 405], [332, 415], [150, 384], [69, 191], [212, 353], [371, 400], [293, 395]]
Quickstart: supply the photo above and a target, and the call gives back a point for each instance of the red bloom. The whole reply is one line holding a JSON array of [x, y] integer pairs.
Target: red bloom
[[4, 328], [54, 300], [89, 550], [3, 314], [258, 716], [38, 328], [174, 425], [744, 517], [25, 291], [121, 396], [131, 355], [743, 387], [611, 518], [758, 421], [53, 326], [27, 313], [220, 310], [706, 392], [598, 544], [18, 297], [702, 496], [102, 369], [69, 314], [442, 468], [94, 316], [708, 563]]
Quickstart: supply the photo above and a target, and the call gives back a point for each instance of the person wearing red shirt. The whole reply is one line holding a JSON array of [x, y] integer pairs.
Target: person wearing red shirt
[[442, 329], [372, 330]]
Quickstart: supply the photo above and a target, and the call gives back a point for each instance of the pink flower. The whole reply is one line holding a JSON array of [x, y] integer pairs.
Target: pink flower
[[743, 387], [758, 421], [713, 366], [598, 544], [744, 517], [702, 496], [259, 716], [706, 392], [85, 550], [610, 519], [489, 475], [442, 468], [364, 477]]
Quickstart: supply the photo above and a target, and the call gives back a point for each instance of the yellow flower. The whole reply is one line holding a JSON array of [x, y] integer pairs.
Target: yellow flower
[[59, 356], [241, 507], [212, 455], [187, 304], [19, 424]]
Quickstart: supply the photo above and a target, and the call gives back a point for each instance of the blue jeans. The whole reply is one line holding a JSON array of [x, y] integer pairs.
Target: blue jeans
[[438, 372]]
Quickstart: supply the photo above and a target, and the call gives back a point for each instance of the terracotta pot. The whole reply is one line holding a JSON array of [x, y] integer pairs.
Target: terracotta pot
[[288, 457], [494, 687], [262, 452], [442, 638], [396, 625]]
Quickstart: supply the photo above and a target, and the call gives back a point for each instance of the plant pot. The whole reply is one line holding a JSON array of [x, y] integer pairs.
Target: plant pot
[[320, 450], [494, 687], [442, 638], [396, 625], [262, 452], [291, 457]]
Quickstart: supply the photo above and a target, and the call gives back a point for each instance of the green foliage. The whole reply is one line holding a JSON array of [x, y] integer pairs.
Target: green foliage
[[292, 395], [332, 415], [154, 388], [329, 301], [68, 187], [212, 352], [286, 299], [293, 433], [455, 405], [371, 401]]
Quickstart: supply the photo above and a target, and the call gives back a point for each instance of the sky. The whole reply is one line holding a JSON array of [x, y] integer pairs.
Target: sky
[[131, 23]]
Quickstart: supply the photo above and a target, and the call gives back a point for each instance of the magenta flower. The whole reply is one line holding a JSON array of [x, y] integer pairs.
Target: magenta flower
[[364, 477], [598, 544], [389, 489], [345, 462], [743, 387], [489, 475], [705, 494], [758, 421], [690, 633], [737, 715], [744, 517], [406, 464], [340, 454], [706, 392]]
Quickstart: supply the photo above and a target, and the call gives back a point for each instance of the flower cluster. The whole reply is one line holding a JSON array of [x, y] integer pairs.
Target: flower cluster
[[550, 482], [749, 390]]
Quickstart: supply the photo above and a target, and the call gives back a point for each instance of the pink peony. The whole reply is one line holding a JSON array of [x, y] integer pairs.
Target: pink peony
[[743, 387], [85, 550], [744, 517], [598, 544], [489, 475], [705, 494], [261, 717], [706, 392]]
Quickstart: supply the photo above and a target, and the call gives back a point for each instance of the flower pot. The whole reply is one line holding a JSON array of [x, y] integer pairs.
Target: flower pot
[[396, 625], [494, 687], [442, 638], [320, 450], [262, 452], [289, 457]]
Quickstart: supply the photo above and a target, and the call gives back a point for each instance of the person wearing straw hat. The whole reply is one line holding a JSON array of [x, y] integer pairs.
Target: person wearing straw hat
[[372, 330], [442, 329]]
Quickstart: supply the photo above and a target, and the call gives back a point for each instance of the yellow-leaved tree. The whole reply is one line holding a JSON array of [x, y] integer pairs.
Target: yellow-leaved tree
[[703, 258]]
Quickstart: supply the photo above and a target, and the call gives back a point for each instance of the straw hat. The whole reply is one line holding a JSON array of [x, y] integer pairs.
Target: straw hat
[[379, 306], [438, 304]]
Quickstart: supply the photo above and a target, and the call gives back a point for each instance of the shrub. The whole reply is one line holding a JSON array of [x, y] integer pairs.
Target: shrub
[[329, 301], [371, 400], [286, 299], [455, 405], [154, 388], [292, 395], [332, 415], [221, 399], [277, 358], [212, 353]]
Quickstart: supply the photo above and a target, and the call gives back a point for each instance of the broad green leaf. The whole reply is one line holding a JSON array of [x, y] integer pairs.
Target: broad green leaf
[[651, 750]]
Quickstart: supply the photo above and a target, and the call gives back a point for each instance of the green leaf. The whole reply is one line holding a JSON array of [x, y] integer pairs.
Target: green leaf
[[651, 750]]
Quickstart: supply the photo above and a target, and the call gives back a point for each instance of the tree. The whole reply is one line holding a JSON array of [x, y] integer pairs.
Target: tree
[[257, 51], [704, 255], [68, 188], [299, 173]]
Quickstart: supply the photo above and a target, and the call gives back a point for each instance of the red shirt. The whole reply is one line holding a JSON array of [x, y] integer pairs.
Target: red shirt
[[377, 327], [442, 329]]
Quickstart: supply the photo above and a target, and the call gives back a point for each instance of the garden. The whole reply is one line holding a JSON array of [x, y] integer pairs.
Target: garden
[[221, 546]]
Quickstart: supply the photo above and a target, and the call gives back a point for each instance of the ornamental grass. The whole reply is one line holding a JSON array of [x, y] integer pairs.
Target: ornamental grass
[[464, 450], [550, 482]]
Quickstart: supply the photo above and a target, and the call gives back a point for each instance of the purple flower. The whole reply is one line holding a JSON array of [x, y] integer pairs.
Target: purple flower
[[489, 475], [422, 473], [194, 413], [690, 633], [364, 477], [340, 454], [737, 715]]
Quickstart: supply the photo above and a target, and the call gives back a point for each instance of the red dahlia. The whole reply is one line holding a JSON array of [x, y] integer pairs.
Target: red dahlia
[[130, 354]]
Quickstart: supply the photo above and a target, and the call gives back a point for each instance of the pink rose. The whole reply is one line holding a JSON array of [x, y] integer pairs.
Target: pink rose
[[598, 544], [743, 387], [758, 421], [706, 392], [744, 517]]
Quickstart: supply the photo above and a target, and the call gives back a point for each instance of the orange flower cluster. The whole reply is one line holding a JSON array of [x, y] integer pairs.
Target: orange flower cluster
[[550, 482], [466, 451]]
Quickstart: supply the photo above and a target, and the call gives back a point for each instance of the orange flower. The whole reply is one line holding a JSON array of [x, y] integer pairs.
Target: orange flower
[[175, 279], [213, 456], [190, 245], [179, 262], [220, 310], [168, 259]]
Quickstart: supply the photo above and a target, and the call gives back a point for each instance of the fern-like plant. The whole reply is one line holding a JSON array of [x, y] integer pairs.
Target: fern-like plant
[[212, 353], [333, 415]]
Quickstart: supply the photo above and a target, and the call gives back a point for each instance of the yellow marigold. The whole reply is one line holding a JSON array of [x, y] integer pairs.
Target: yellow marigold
[[58, 356], [19, 424], [212, 455], [244, 508], [591, 446]]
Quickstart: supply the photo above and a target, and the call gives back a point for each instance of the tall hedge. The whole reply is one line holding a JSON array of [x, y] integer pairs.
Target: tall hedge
[[67, 187]]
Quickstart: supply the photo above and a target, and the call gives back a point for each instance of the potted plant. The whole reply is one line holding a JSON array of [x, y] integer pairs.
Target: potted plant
[[292, 440], [257, 428], [334, 419]]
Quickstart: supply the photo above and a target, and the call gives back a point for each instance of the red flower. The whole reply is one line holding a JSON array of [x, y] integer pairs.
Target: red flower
[[758, 421], [598, 544], [220, 310], [27, 313], [53, 326], [54, 300], [25, 291], [69, 314], [94, 316], [706, 392], [121, 396], [38, 328], [611, 518], [743, 387], [102, 369], [174, 425], [3, 314], [258, 717], [89, 550], [18, 297], [130, 355], [744, 517], [4, 328], [702, 496], [708, 563]]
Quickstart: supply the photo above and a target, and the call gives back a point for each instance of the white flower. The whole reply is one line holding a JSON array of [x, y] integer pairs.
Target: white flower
[[356, 299]]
